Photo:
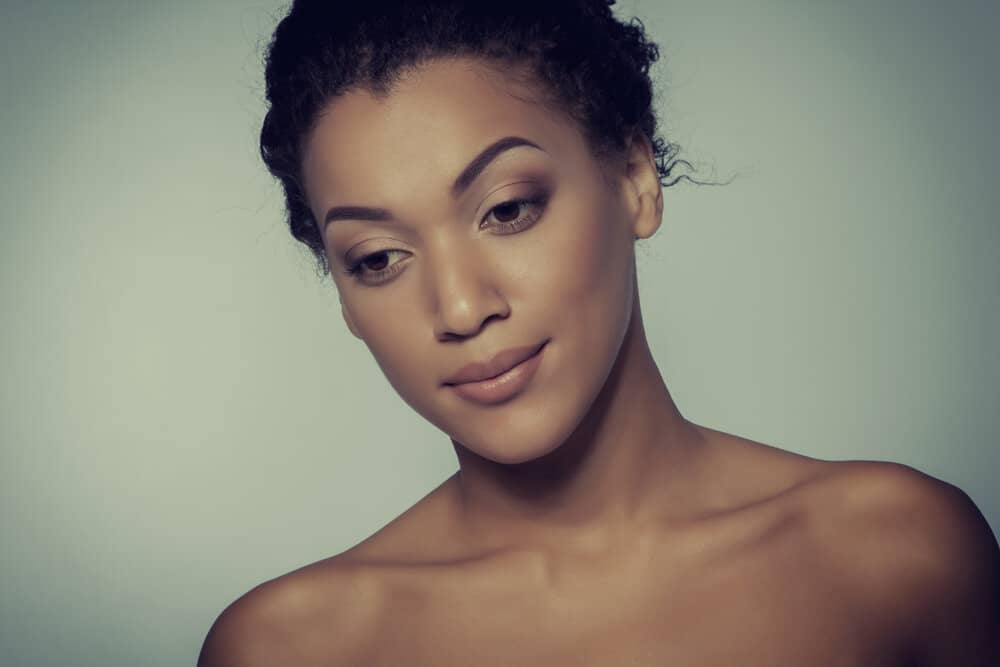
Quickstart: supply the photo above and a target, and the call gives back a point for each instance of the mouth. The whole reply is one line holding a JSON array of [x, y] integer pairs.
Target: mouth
[[499, 364], [498, 387]]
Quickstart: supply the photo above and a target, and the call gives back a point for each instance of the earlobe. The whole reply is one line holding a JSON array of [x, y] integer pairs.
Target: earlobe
[[644, 187]]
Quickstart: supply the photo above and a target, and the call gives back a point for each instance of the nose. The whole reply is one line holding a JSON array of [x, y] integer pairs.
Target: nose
[[464, 294]]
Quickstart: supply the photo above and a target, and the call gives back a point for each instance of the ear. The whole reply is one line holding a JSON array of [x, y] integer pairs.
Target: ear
[[349, 321], [642, 190]]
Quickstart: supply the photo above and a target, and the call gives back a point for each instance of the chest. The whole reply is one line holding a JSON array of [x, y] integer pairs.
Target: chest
[[768, 608]]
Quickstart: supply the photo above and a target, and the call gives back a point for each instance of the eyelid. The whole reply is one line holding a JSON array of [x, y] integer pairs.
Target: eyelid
[[347, 254], [535, 188], [355, 268], [538, 196]]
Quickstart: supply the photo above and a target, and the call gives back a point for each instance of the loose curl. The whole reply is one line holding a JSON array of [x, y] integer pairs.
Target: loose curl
[[594, 68]]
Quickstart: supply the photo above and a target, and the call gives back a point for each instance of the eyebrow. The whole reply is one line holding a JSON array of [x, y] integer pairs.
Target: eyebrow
[[461, 184]]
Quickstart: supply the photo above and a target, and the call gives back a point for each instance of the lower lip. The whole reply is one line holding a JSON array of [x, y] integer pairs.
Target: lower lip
[[504, 386]]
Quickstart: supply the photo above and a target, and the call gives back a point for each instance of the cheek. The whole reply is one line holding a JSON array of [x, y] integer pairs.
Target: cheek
[[391, 333], [589, 299], [588, 273]]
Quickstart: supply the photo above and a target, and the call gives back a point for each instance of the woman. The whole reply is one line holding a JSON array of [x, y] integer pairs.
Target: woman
[[475, 179]]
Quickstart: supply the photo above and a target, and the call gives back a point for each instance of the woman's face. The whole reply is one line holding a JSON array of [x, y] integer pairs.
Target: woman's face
[[447, 271]]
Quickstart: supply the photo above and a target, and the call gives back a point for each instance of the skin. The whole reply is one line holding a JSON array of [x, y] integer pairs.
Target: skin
[[589, 523]]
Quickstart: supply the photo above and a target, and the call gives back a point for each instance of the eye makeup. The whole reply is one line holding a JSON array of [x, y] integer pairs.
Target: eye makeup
[[510, 217]]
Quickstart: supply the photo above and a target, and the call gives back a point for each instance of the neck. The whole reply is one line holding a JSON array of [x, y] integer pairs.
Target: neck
[[628, 463]]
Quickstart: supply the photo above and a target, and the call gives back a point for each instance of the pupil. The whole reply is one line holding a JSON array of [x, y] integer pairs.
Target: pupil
[[510, 207], [373, 259]]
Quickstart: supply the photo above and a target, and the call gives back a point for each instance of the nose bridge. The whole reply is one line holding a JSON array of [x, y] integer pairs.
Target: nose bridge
[[462, 287]]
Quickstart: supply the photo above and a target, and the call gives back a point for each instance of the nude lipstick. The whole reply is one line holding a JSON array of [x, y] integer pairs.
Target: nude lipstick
[[499, 379]]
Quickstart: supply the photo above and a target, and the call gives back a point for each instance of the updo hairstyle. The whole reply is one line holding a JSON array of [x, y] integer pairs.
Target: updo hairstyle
[[591, 67]]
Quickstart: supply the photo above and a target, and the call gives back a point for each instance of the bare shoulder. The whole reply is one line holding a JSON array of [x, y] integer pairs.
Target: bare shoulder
[[893, 504], [320, 614], [326, 613], [916, 553]]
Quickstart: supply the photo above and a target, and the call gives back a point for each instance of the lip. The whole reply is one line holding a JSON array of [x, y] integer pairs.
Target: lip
[[518, 366], [500, 363]]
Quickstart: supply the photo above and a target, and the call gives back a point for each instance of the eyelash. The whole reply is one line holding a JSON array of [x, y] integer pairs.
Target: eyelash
[[375, 277]]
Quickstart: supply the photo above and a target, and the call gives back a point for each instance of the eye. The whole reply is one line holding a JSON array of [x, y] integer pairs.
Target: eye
[[375, 268], [516, 214], [510, 216]]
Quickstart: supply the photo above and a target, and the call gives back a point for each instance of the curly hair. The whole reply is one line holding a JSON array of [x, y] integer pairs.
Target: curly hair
[[593, 68]]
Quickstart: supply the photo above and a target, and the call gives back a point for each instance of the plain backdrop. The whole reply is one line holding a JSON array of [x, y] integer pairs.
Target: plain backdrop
[[183, 413]]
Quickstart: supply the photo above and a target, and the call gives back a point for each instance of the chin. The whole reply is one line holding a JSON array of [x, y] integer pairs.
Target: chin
[[513, 455], [521, 437]]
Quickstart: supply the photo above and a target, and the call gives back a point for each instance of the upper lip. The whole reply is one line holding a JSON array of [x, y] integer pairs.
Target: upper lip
[[501, 362]]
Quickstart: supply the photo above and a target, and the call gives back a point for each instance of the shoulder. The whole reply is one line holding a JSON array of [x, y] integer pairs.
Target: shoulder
[[895, 505], [320, 614], [916, 553]]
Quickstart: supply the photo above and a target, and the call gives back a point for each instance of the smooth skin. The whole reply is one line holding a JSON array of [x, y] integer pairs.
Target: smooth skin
[[589, 523]]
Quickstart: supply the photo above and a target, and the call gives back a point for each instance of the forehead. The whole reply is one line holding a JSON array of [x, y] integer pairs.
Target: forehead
[[428, 126]]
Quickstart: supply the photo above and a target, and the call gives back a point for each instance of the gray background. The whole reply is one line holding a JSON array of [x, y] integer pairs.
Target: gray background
[[183, 413]]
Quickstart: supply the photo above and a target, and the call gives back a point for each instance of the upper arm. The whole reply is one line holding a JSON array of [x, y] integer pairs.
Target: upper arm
[[288, 622], [955, 585], [923, 556], [243, 635]]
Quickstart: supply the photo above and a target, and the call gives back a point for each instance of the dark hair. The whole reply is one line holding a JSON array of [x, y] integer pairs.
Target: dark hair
[[592, 66]]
